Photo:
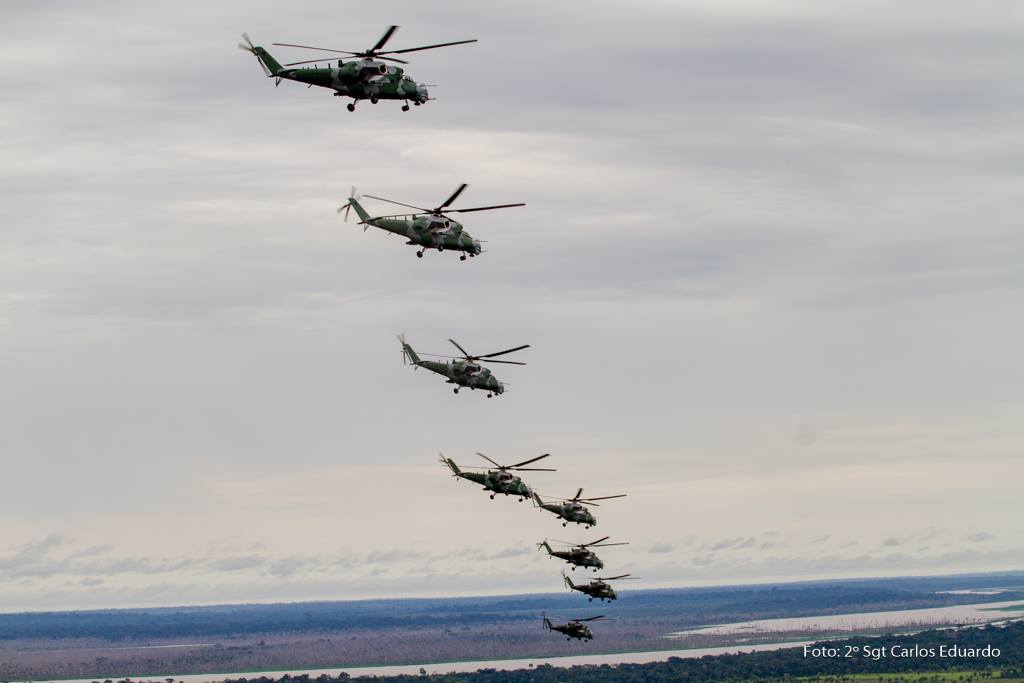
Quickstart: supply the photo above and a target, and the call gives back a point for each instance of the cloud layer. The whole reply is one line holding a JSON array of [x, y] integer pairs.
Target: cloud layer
[[770, 268]]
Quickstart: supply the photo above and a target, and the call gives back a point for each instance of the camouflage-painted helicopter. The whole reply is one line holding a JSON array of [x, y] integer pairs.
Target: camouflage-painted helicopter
[[579, 554], [364, 78], [572, 509], [464, 370], [500, 480], [598, 588], [427, 229], [574, 628]]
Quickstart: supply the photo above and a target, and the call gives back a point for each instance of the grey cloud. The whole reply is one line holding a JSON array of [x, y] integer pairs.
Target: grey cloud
[[980, 537]]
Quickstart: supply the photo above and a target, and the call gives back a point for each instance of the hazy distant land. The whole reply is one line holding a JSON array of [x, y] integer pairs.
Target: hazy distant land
[[302, 636]]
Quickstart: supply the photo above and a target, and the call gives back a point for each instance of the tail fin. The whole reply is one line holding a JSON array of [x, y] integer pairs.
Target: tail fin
[[537, 500], [407, 351], [547, 622], [544, 545], [568, 582], [363, 214], [451, 464], [268, 61]]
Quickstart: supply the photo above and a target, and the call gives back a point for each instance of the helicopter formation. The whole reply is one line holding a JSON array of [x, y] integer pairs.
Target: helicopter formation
[[371, 74], [500, 479]]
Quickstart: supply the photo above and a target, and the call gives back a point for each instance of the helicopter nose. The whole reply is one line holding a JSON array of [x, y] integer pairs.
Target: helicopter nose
[[476, 247]]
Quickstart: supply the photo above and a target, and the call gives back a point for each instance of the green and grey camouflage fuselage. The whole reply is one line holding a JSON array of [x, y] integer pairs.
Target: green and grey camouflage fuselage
[[496, 481], [572, 629], [425, 231], [364, 79], [569, 510], [577, 556], [595, 589]]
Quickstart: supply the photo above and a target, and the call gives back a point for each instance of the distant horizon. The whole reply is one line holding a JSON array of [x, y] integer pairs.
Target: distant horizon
[[520, 594]]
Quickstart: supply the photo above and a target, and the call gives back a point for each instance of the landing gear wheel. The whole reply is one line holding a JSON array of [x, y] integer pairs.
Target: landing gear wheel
[[405, 107], [462, 258], [351, 106], [563, 523], [419, 254], [492, 496], [489, 395], [373, 100], [456, 390]]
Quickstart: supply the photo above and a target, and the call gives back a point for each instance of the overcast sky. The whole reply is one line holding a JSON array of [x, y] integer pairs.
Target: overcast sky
[[770, 267]]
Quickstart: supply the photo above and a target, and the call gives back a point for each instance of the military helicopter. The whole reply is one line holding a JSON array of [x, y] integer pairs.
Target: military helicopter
[[597, 588], [427, 229], [500, 480], [363, 78], [571, 509], [574, 628], [463, 371], [579, 554]]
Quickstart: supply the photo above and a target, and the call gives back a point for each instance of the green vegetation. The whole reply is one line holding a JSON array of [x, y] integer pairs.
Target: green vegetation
[[791, 664]]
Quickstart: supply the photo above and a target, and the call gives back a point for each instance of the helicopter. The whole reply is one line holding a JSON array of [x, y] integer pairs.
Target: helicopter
[[579, 554], [574, 628], [571, 509], [428, 228], [597, 588], [464, 370], [363, 78], [500, 480]]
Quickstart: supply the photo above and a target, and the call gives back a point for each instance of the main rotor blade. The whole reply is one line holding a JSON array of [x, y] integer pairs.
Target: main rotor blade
[[506, 362], [601, 616], [584, 545], [464, 352], [323, 49], [614, 578], [605, 545], [427, 47], [587, 500], [485, 208], [502, 353], [451, 199], [391, 59], [531, 469], [392, 201], [500, 467], [384, 38], [578, 494], [527, 462]]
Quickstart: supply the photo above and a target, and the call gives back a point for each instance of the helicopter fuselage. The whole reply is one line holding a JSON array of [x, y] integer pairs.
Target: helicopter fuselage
[[361, 80], [596, 589], [430, 233], [580, 557], [570, 511], [499, 482], [573, 630], [465, 374]]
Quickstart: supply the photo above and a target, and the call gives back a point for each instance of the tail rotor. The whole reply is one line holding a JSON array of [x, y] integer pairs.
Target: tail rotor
[[347, 206], [250, 48]]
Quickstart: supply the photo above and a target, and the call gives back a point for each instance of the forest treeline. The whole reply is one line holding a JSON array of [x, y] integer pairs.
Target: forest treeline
[[787, 664]]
